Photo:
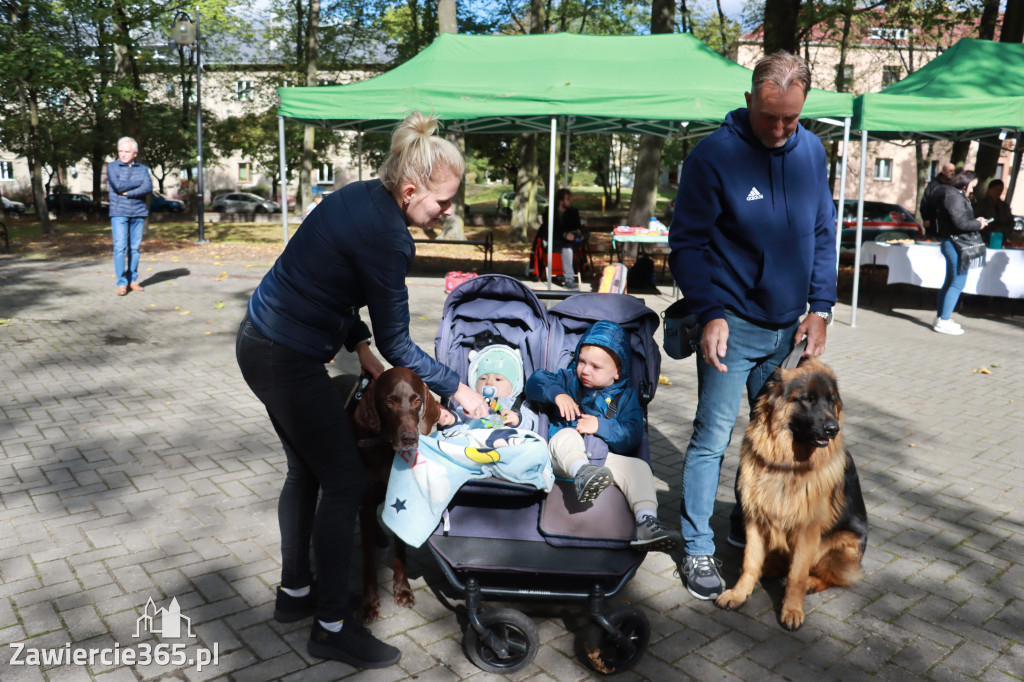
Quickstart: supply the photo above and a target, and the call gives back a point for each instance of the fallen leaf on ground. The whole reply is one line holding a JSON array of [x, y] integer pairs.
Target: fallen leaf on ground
[[664, 380], [983, 370], [218, 305]]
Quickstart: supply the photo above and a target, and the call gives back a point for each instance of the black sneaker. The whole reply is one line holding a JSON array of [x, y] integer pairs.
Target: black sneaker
[[288, 609], [590, 481], [653, 536], [701, 577], [353, 644]]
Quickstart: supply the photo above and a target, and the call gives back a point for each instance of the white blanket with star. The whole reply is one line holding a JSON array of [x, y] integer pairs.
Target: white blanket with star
[[422, 483]]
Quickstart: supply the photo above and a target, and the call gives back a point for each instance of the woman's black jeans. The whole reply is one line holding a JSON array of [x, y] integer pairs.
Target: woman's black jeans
[[308, 413]]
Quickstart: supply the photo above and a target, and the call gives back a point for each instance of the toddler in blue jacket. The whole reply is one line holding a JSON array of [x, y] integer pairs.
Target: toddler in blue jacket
[[593, 396]]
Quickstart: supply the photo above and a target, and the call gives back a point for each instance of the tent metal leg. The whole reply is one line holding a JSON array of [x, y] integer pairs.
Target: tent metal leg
[[860, 226], [552, 177], [284, 178]]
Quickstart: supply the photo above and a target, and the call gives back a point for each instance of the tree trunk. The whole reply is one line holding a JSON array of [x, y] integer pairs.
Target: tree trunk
[[781, 26], [127, 72], [524, 208], [1013, 22], [958, 155], [309, 134], [446, 17], [987, 23], [453, 226], [648, 161], [97, 158], [923, 162]]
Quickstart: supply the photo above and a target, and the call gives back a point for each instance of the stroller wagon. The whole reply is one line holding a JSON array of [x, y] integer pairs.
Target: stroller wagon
[[503, 540]]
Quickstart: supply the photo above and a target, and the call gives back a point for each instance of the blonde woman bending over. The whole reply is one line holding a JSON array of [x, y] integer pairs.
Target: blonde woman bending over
[[354, 251]]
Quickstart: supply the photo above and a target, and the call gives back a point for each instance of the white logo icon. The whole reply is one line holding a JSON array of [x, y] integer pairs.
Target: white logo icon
[[754, 195], [164, 622]]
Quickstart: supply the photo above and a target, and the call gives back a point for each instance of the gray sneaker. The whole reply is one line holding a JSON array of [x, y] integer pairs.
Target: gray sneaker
[[653, 536], [701, 577], [590, 480]]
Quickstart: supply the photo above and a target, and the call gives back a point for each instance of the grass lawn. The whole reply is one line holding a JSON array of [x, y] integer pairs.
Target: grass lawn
[[259, 243]]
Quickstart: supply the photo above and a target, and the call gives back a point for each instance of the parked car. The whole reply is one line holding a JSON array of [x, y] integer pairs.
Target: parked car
[[158, 202], [243, 202], [12, 207], [882, 222], [69, 202], [506, 200]]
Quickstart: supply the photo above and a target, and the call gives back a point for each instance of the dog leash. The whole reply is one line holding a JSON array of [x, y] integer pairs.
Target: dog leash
[[793, 359]]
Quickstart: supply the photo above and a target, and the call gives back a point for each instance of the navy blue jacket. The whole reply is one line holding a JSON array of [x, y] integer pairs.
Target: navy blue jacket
[[623, 430], [754, 228], [354, 250], [134, 179]]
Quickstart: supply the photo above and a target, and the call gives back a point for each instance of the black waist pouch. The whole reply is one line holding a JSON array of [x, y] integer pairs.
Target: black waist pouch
[[682, 330]]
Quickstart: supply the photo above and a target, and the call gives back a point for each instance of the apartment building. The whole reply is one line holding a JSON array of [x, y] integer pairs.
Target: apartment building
[[232, 87]]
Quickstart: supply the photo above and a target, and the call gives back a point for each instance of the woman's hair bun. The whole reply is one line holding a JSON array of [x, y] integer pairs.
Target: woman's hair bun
[[417, 150]]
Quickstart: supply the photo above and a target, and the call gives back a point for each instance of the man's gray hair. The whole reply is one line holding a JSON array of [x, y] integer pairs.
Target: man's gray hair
[[782, 70], [135, 145]]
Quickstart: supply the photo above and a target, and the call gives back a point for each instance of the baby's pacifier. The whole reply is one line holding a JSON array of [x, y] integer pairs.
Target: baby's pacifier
[[490, 395]]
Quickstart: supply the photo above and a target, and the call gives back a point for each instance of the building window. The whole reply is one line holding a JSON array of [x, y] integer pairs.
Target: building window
[[845, 81], [325, 174], [243, 90], [890, 75], [169, 88], [887, 33], [883, 169], [6, 170], [244, 171]]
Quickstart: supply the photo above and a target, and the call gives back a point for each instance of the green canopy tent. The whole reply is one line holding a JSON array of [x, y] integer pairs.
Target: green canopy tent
[[974, 89], [666, 84]]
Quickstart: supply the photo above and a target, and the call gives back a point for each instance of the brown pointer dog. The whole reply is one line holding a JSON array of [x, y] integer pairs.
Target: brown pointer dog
[[396, 408], [798, 486]]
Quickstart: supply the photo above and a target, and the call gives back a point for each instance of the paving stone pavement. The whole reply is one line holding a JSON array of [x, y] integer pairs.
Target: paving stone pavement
[[136, 465]]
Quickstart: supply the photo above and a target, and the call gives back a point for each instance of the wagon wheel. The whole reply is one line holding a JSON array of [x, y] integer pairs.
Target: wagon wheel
[[608, 654], [511, 630]]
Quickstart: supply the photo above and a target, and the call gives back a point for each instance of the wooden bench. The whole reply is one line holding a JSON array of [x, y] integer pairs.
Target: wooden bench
[[486, 245]]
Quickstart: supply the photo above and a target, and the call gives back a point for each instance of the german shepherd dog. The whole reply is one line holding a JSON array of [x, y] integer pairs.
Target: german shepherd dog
[[801, 498]]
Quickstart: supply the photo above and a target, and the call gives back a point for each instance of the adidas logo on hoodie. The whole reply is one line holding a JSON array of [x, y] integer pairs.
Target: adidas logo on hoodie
[[754, 195]]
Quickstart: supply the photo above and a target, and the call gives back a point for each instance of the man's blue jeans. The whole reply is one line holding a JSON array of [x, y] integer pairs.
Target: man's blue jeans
[[953, 286], [127, 234], [753, 352]]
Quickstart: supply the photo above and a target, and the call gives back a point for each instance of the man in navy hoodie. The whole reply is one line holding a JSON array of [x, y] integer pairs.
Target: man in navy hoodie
[[753, 249]]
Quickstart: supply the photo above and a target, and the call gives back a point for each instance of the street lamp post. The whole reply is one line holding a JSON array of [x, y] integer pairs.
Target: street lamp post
[[185, 32]]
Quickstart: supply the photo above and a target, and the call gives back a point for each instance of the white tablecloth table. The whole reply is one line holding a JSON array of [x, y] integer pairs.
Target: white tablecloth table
[[923, 265]]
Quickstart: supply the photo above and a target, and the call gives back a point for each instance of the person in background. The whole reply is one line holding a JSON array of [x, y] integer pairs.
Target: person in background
[[955, 216], [129, 185], [932, 198], [753, 249], [318, 196], [568, 229], [993, 207], [353, 253]]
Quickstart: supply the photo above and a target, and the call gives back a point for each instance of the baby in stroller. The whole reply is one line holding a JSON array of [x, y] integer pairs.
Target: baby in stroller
[[595, 401], [496, 373]]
